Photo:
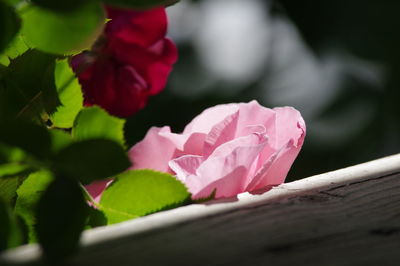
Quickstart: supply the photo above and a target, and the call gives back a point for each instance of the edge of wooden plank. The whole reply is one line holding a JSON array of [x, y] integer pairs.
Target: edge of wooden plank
[[350, 175]]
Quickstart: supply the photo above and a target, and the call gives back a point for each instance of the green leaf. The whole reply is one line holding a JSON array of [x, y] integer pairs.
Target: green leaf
[[49, 92], [91, 160], [114, 216], [61, 215], [141, 192], [29, 194], [140, 3], [16, 48], [60, 5], [70, 95], [9, 25], [96, 218], [8, 188], [4, 60], [14, 162], [28, 86], [12, 2], [60, 140], [94, 122], [63, 33], [10, 154], [29, 137], [14, 169], [10, 232]]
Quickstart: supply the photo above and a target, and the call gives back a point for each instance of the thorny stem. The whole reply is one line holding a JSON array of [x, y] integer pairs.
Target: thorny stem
[[26, 107]]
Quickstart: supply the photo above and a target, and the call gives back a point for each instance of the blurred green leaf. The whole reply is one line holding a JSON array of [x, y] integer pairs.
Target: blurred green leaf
[[63, 33], [4, 60], [94, 122], [61, 215], [70, 95], [15, 162], [90, 160], [49, 91], [141, 192], [29, 137], [8, 188], [9, 25], [10, 153], [59, 140], [28, 86], [17, 47], [13, 169], [60, 5], [96, 218], [29, 194], [12, 2], [140, 3], [10, 232]]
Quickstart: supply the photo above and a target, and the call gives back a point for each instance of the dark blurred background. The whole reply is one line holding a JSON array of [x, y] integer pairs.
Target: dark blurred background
[[338, 62]]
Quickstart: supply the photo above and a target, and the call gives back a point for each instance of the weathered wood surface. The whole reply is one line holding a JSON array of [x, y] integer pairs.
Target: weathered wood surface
[[346, 217]]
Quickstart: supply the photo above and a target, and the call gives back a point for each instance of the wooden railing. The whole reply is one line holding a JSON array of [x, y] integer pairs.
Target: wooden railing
[[346, 217]]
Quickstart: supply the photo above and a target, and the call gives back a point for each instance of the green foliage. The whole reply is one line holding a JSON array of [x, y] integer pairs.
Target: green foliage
[[12, 2], [17, 47], [29, 194], [60, 5], [61, 217], [91, 160], [10, 228], [94, 122], [141, 192], [96, 218], [140, 3], [50, 146], [14, 163], [63, 32], [14, 169], [70, 161], [70, 95], [59, 140], [8, 186], [113, 215], [9, 25], [10, 154], [31, 138], [28, 86]]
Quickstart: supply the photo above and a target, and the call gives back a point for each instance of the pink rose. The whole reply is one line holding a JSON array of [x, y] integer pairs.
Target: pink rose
[[228, 149], [129, 63]]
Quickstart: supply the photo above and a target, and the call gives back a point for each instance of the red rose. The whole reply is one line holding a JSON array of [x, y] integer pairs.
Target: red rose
[[129, 63]]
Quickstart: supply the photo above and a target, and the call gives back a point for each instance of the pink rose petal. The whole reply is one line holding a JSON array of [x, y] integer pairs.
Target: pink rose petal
[[153, 152], [211, 116], [222, 132], [186, 166], [186, 143], [253, 113], [224, 161], [96, 188]]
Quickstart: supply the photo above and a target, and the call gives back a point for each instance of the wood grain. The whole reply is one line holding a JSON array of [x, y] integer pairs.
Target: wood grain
[[347, 217]]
